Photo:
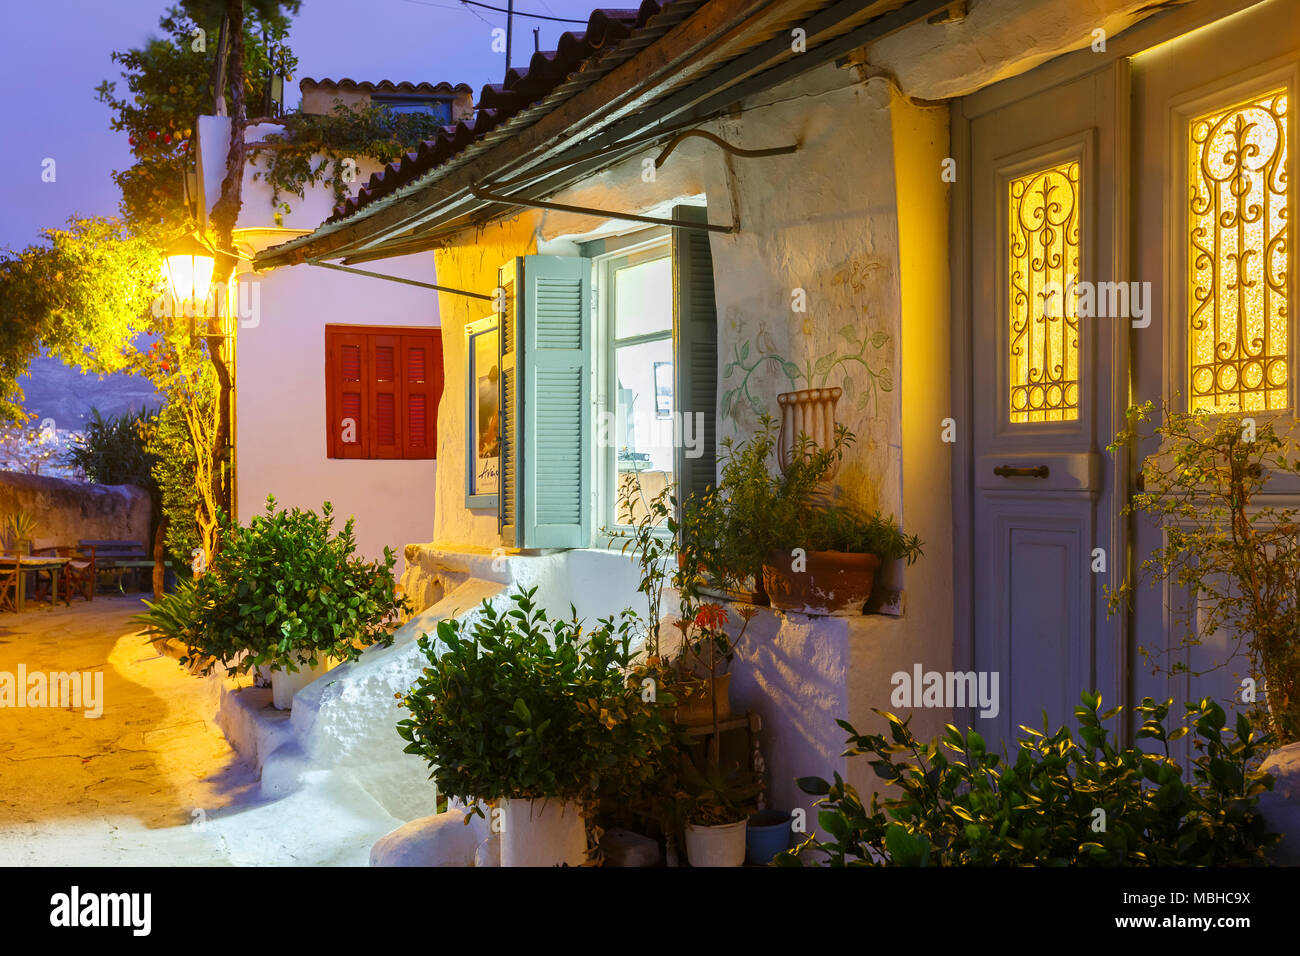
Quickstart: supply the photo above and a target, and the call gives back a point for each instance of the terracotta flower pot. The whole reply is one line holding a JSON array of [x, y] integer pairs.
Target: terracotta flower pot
[[810, 411], [832, 582]]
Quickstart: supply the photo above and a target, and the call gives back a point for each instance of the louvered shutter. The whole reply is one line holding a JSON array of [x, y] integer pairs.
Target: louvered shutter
[[695, 353], [508, 497], [551, 418], [421, 381], [385, 397], [346, 396]]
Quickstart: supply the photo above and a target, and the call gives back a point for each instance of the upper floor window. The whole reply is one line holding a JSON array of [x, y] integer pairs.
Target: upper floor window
[[438, 107]]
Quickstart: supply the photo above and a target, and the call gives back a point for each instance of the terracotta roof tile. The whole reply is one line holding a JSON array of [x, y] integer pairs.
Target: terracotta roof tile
[[383, 86], [606, 30]]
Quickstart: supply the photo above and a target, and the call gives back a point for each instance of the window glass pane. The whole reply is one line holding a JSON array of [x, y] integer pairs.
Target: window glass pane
[[1043, 248], [1238, 171], [643, 439], [643, 298]]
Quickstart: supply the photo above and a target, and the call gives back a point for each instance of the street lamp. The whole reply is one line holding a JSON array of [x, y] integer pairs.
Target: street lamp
[[189, 269]]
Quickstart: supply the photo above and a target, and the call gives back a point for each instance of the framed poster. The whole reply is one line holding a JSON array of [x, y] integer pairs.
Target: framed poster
[[483, 408], [663, 372]]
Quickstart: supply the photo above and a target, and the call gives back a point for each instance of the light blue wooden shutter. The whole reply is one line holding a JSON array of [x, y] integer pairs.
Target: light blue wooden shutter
[[553, 433], [508, 490], [695, 354]]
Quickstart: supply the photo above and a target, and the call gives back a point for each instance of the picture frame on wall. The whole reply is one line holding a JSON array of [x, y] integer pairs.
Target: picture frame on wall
[[483, 405]]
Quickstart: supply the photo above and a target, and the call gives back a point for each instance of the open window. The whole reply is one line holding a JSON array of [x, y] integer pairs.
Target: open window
[[608, 375]]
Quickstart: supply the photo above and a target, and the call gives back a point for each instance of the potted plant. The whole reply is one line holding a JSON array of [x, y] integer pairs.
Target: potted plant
[[767, 834], [20, 530], [726, 531], [535, 715], [719, 802], [285, 592], [826, 559]]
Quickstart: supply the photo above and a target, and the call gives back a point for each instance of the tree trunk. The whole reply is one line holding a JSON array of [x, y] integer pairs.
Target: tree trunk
[[159, 565], [225, 214]]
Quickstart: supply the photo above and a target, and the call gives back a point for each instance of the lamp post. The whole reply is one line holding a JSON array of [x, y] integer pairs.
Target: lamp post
[[189, 269]]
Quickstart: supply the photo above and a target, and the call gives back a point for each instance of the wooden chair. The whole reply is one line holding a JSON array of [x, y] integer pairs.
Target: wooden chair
[[9, 588], [77, 576]]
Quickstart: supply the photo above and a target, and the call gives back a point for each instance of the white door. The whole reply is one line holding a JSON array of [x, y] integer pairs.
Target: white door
[[1042, 221], [1213, 205]]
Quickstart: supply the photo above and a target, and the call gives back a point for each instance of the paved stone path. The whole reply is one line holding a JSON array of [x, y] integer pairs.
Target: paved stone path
[[81, 790], [152, 781]]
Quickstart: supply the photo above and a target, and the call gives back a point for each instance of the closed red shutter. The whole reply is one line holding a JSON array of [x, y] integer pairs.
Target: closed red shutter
[[385, 442], [422, 390], [387, 382], [346, 395]]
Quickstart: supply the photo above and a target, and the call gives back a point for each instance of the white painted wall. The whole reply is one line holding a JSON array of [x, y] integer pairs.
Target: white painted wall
[[280, 368]]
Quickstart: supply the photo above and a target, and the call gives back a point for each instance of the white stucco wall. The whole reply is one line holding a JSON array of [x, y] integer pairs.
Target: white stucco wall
[[280, 402]]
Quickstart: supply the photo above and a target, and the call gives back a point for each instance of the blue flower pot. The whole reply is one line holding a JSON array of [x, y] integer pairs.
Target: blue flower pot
[[767, 835]]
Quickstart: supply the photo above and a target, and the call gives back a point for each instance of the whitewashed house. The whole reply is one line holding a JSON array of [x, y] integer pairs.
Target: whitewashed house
[[318, 346], [871, 175]]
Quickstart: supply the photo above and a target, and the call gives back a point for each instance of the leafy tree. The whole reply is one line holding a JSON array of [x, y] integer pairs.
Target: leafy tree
[[170, 82], [110, 451], [84, 294]]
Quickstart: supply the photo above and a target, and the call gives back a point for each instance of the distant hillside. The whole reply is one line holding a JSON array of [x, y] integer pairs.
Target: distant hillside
[[54, 390]]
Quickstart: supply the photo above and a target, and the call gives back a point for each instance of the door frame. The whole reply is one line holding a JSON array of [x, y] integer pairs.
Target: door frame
[[1154, 30]]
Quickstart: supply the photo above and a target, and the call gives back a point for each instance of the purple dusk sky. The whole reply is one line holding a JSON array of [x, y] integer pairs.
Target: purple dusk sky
[[57, 51]]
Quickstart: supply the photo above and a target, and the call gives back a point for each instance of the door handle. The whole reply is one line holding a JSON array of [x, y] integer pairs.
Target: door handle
[[1006, 471]]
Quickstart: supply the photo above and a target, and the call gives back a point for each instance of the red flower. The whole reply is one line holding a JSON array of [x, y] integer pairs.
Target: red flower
[[711, 617]]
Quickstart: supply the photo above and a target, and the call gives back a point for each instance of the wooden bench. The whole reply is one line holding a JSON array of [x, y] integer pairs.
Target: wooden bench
[[119, 558]]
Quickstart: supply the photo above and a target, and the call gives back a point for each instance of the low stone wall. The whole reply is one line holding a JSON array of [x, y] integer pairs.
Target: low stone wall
[[70, 511]]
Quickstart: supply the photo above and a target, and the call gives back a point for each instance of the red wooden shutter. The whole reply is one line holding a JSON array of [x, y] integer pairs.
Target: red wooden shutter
[[388, 383], [346, 394], [385, 395], [421, 393]]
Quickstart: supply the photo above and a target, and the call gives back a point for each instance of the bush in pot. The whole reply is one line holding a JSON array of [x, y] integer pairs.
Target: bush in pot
[[518, 708], [284, 592], [826, 558], [716, 804]]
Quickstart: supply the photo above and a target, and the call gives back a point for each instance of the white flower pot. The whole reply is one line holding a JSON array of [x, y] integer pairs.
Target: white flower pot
[[285, 685], [543, 833], [716, 846]]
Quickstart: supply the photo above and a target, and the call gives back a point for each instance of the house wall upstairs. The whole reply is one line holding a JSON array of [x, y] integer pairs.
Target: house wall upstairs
[[281, 429]]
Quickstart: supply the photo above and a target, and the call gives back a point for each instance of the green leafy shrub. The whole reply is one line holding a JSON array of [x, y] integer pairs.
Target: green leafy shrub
[[283, 590], [1225, 543], [1062, 802], [176, 473], [519, 706], [844, 528]]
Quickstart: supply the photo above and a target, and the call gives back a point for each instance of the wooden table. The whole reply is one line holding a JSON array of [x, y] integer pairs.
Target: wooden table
[[27, 562]]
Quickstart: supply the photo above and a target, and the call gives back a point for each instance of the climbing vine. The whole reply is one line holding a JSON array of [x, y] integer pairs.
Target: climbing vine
[[325, 147]]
